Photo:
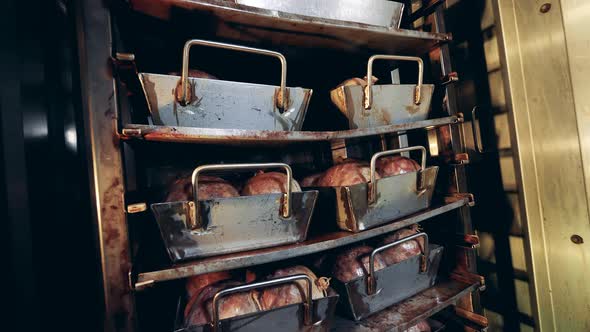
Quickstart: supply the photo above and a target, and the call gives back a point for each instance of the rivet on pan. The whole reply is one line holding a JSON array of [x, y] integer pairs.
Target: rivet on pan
[[545, 8], [577, 239]]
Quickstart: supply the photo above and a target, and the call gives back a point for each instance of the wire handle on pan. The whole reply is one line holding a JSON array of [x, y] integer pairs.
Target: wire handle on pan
[[368, 89], [282, 99], [372, 283], [286, 206], [477, 141], [308, 304], [373, 183]]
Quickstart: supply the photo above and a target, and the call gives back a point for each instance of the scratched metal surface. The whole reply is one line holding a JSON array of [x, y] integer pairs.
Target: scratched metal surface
[[394, 284], [396, 197], [403, 315], [392, 104], [223, 104], [233, 224]]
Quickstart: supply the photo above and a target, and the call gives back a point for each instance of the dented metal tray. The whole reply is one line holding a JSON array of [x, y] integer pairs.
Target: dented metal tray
[[382, 288], [211, 103], [312, 315], [216, 226], [380, 105], [367, 205]]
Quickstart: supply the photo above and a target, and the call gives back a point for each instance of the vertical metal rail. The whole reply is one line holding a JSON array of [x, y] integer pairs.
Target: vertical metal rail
[[457, 145], [93, 25]]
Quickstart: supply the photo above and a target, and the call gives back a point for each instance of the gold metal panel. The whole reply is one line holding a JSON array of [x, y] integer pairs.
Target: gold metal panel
[[549, 165], [502, 129], [490, 48]]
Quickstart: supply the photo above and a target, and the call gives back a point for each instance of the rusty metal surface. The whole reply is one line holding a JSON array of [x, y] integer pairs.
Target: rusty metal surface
[[250, 24], [410, 311], [310, 246], [288, 318], [103, 148], [397, 196], [233, 224], [223, 104], [393, 284], [267, 137], [382, 13], [392, 104]]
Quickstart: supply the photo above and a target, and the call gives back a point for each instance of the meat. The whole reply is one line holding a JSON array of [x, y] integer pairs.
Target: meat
[[267, 183], [354, 263], [195, 284], [395, 165], [199, 309], [196, 74], [422, 326], [348, 173], [311, 180], [282, 295], [405, 250], [209, 187], [337, 94]]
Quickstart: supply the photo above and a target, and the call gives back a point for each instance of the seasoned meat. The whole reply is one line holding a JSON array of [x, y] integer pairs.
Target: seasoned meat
[[267, 183], [348, 173], [405, 250], [311, 180], [395, 165], [199, 309], [282, 295], [195, 284], [209, 187], [353, 263]]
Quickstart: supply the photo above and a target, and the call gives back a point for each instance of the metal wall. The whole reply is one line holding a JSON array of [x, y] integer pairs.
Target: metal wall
[[544, 51]]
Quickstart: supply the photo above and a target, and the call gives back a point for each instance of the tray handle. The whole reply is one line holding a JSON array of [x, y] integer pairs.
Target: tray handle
[[308, 304], [282, 99], [368, 102], [372, 282], [195, 222], [373, 183]]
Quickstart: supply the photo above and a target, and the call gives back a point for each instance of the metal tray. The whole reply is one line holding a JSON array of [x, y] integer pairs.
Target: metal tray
[[385, 104], [382, 13], [210, 103], [312, 315], [202, 228], [366, 205], [380, 289]]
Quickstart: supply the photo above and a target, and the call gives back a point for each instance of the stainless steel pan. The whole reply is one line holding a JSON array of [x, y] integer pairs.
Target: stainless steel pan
[[380, 289], [217, 226], [367, 205], [380, 105], [208, 103], [373, 12], [311, 315]]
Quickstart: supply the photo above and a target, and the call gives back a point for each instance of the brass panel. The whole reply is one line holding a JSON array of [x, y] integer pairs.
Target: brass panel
[[502, 129], [490, 48], [497, 89], [549, 165]]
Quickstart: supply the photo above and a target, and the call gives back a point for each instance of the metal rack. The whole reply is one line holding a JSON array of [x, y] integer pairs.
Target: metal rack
[[107, 150]]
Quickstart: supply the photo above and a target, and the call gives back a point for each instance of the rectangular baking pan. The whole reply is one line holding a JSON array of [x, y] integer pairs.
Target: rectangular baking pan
[[201, 228], [382, 288]]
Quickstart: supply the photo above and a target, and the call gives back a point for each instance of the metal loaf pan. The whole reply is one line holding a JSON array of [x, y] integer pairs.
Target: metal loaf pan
[[380, 289], [367, 205], [209, 103], [202, 228], [312, 315], [382, 13], [380, 105]]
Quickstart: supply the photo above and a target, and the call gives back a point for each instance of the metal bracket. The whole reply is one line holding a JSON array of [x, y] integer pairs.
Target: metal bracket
[[451, 77], [131, 132], [460, 159], [458, 196], [137, 207]]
